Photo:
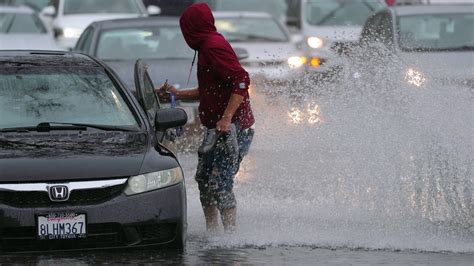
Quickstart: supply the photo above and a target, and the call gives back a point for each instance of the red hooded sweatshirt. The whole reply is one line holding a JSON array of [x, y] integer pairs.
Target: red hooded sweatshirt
[[219, 71]]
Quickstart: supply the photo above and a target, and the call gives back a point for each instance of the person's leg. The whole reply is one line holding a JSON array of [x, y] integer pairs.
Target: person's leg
[[206, 186], [212, 217], [229, 217]]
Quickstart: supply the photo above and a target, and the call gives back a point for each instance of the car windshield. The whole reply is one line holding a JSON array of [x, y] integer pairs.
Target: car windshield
[[251, 29], [103, 6], [276, 8], [340, 12], [32, 95], [20, 23], [37, 5], [143, 42], [437, 32]]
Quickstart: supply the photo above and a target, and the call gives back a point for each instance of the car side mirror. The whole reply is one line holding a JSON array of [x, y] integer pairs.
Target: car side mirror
[[241, 53], [153, 10], [49, 11], [170, 118]]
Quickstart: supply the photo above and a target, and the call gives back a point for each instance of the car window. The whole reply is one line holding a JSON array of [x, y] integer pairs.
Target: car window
[[102, 6], [276, 8], [151, 101], [369, 32], [251, 29], [20, 23], [84, 43], [436, 32], [165, 42], [31, 95], [37, 5], [386, 29], [340, 12]]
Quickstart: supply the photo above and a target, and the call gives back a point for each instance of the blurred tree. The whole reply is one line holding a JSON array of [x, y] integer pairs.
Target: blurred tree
[[170, 7]]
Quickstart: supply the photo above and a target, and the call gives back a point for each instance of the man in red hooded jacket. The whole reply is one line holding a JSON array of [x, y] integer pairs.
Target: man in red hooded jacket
[[224, 100]]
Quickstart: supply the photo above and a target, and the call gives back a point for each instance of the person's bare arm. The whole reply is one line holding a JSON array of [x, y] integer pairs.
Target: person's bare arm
[[223, 125], [191, 94]]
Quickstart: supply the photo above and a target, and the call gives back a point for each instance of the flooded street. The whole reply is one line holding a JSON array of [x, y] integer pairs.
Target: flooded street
[[345, 189]]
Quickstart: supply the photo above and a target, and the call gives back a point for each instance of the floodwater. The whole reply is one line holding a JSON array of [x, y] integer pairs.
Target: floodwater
[[359, 176]]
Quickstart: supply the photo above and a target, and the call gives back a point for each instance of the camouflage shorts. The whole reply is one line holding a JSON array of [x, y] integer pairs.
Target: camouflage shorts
[[216, 170]]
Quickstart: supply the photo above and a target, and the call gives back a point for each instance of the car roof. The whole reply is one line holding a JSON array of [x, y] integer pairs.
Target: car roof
[[433, 9], [137, 22], [240, 14], [45, 58], [16, 9]]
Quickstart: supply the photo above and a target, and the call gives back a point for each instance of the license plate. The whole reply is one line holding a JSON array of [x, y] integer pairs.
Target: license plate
[[67, 225]]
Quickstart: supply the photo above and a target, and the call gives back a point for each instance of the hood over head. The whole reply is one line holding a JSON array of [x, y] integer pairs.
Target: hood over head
[[197, 24]]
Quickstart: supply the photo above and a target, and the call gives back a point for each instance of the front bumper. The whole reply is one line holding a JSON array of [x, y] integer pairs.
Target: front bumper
[[154, 218]]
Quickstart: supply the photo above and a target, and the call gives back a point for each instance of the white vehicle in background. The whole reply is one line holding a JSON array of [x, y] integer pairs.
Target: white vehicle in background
[[21, 28], [276, 8], [329, 29], [69, 18], [264, 43]]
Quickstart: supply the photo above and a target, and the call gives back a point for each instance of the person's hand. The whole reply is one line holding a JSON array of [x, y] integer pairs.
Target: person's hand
[[165, 90], [223, 125]]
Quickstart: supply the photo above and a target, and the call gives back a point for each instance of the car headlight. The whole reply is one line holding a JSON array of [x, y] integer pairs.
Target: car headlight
[[297, 61], [415, 77], [152, 181], [71, 32], [315, 42]]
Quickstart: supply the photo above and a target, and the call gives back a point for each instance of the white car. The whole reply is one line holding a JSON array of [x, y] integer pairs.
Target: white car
[[21, 28], [420, 45], [330, 28], [264, 43], [71, 17]]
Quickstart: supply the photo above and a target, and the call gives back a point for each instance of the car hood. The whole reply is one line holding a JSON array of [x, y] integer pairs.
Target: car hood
[[267, 51], [49, 157], [455, 65], [176, 71], [335, 33], [83, 20], [28, 42]]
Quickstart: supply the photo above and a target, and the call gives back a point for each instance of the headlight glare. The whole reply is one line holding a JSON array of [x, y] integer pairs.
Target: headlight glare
[[297, 61], [72, 32], [415, 77], [315, 42], [152, 181]]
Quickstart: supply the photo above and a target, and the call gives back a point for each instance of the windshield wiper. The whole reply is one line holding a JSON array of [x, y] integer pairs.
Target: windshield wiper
[[53, 126]]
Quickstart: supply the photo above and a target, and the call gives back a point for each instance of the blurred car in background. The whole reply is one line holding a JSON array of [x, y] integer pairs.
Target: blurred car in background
[[21, 28], [157, 40], [71, 17], [329, 29], [170, 7], [431, 43], [36, 5], [271, 56], [276, 8]]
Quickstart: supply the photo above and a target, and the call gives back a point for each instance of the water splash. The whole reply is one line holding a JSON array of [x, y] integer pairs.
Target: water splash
[[389, 165]]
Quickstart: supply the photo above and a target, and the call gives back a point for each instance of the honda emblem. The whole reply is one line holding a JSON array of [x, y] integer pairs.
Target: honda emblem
[[59, 193]]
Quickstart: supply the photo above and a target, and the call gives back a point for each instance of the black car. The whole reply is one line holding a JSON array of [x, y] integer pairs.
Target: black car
[[158, 40], [82, 161]]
